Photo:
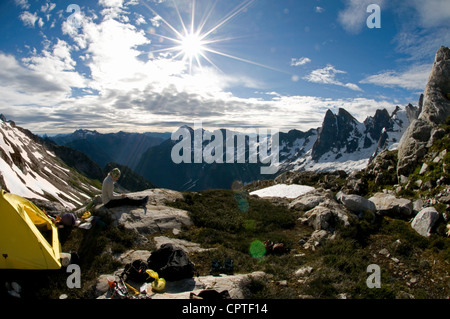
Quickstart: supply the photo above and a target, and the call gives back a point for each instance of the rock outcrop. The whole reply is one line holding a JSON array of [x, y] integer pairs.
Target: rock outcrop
[[155, 217], [435, 110], [310, 200], [326, 215]]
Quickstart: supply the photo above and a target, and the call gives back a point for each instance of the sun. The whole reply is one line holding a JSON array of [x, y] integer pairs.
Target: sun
[[192, 43], [192, 46]]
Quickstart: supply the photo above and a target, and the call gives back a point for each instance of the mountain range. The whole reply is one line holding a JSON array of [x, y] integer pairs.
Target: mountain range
[[68, 168]]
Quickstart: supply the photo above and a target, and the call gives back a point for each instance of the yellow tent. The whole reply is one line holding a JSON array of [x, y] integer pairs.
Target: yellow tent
[[22, 243]]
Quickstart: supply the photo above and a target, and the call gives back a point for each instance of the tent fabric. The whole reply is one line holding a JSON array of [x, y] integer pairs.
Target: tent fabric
[[22, 244]]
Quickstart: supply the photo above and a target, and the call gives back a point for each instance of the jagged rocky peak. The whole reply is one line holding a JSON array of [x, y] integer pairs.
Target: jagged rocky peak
[[435, 109], [83, 133], [375, 125], [436, 105], [337, 132]]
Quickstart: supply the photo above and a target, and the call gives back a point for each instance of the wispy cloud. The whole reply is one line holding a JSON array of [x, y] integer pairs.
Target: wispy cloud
[[103, 77], [22, 3], [415, 78], [327, 75], [300, 61], [29, 19], [432, 13]]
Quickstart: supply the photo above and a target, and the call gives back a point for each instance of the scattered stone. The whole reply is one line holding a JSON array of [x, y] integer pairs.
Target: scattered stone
[[317, 238], [355, 203], [425, 220], [424, 169], [392, 206], [403, 179], [404, 295], [304, 271], [418, 205]]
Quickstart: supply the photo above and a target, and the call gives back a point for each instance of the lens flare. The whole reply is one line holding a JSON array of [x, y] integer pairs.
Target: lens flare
[[257, 249]]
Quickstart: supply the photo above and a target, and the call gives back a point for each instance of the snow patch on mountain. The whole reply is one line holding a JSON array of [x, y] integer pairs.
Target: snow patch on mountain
[[30, 170], [283, 191]]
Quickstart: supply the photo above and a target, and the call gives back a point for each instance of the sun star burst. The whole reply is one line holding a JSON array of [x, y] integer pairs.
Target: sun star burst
[[194, 44]]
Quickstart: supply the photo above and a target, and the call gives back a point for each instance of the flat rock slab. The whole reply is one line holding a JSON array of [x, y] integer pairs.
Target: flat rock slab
[[187, 246], [152, 218]]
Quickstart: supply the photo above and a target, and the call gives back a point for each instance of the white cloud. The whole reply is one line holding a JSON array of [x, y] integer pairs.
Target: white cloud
[[156, 21], [319, 9], [111, 3], [29, 19], [300, 61], [48, 7], [125, 89], [140, 19], [415, 78], [432, 13], [353, 18], [327, 75], [424, 27], [22, 3]]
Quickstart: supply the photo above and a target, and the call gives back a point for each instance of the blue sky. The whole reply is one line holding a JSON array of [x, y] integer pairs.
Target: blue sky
[[154, 65]]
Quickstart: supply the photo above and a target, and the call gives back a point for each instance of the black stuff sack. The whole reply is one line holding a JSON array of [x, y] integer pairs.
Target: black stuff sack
[[135, 271], [171, 263]]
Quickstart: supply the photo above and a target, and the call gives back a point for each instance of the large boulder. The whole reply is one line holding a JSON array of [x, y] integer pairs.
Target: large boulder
[[310, 200], [155, 217], [356, 204], [326, 215], [390, 205], [425, 220], [413, 146]]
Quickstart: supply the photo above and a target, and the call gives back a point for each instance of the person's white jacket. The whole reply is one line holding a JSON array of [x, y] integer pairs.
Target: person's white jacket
[[108, 190]]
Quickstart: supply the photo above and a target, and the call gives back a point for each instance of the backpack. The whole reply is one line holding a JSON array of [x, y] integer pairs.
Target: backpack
[[171, 263], [135, 271]]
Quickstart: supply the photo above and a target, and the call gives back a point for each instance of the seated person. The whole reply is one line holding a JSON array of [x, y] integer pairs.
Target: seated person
[[111, 200]]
